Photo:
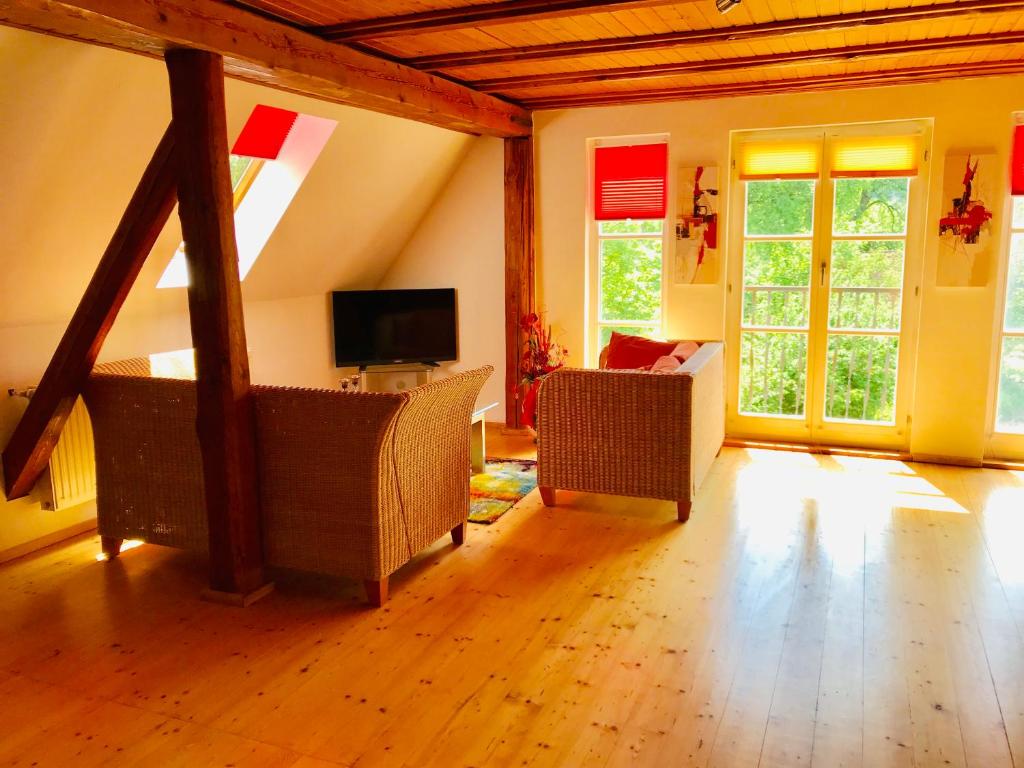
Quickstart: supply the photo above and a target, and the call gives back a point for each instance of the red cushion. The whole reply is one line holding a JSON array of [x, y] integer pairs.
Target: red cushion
[[625, 351]]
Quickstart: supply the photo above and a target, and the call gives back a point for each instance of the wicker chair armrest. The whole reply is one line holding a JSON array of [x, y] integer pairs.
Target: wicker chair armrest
[[148, 464], [707, 431], [614, 431], [431, 457]]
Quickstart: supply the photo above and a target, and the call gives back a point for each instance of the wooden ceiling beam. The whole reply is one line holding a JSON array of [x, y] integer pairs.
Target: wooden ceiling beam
[[504, 12], [747, 32], [262, 51], [817, 55], [903, 76]]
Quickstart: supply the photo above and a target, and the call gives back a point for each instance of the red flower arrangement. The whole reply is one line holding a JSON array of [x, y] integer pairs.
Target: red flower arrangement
[[541, 356]]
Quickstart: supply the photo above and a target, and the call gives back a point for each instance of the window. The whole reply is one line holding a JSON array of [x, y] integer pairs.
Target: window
[[630, 206], [243, 173], [269, 161], [1010, 403], [822, 231], [869, 245], [629, 279], [777, 252]]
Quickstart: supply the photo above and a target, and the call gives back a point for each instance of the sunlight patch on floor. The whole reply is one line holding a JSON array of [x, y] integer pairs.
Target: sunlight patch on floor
[[1003, 522]]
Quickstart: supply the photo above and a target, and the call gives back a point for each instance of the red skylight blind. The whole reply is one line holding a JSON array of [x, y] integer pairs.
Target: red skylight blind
[[1017, 162], [631, 182], [264, 132]]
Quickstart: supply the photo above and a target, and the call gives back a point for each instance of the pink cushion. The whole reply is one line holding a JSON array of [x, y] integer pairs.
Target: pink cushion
[[631, 352], [666, 364], [685, 350]]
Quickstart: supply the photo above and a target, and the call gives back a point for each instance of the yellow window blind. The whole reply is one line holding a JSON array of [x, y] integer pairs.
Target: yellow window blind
[[779, 159], [875, 156]]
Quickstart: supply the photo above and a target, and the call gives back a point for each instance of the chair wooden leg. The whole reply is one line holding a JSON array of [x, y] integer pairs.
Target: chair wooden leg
[[459, 533], [683, 510], [547, 495], [376, 591], [111, 546]]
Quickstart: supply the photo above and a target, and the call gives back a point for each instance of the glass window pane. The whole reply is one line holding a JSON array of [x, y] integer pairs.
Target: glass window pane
[[1014, 319], [1010, 411], [631, 227], [605, 332], [776, 276], [866, 286], [773, 373], [860, 382], [780, 207], [871, 206], [631, 279], [1018, 213], [239, 165]]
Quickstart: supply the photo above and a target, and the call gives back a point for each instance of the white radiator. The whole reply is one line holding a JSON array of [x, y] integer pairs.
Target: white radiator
[[70, 477]]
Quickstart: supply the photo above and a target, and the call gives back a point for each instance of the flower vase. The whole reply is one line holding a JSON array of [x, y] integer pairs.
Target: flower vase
[[529, 410]]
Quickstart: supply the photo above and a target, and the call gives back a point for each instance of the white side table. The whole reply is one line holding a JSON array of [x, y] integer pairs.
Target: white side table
[[477, 448]]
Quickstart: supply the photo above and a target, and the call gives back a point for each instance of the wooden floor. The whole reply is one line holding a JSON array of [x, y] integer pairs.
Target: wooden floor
[[816, 610]]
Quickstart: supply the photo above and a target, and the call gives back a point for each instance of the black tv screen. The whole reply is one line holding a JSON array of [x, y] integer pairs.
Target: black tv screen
[[385, 327]]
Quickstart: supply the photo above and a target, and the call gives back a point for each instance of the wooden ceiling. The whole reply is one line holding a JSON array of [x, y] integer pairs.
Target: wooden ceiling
[[568, 53]]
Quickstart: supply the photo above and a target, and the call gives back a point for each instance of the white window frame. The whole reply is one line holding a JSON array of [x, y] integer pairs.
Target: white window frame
[[1002, 444], [592, 301], [809, 428]]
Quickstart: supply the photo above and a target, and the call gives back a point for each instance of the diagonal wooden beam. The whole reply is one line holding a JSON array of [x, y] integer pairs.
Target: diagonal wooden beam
[[902, 76], [259, 50], [225, 422], [33, 441], [442, 19], [817, 55], [799, 26]]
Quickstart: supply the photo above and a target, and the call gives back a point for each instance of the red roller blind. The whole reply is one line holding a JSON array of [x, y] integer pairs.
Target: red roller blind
[[1017, 162], [631, 182], [264, 132]]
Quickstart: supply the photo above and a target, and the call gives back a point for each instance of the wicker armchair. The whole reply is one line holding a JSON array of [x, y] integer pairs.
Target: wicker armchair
[[632, 433], [350, 484]]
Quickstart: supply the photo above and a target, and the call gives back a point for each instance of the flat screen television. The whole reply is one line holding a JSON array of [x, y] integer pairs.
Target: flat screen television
[[402, 326]]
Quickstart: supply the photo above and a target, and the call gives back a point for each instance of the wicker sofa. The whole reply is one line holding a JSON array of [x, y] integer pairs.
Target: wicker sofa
[[350, 484], [632, 433]]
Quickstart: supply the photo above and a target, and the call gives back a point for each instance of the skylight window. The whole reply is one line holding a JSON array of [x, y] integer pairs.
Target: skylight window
[[271, 158]]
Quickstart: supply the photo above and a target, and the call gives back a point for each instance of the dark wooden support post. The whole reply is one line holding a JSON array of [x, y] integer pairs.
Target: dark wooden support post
[[225, 415], [33, 441], [520, 265]]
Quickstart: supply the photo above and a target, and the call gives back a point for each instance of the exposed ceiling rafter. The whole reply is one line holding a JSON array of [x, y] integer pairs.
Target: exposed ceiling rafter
[[903, 76], [817, 56], [747, 32], [503, 12]]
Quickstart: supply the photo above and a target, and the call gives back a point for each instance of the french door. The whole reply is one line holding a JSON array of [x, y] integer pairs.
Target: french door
[[822, 307]]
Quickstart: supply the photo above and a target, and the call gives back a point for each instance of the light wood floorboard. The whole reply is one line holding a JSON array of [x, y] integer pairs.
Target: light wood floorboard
[[816, 610]]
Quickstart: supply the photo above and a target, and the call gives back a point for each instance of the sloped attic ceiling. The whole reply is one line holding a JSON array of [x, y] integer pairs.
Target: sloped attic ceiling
[[80, 123]]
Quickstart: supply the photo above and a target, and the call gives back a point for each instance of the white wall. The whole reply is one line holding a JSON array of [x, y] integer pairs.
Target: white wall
[[461, 243], [955, 355]]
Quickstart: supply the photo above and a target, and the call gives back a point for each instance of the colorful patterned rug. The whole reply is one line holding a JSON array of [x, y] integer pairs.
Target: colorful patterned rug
[[495, 492]]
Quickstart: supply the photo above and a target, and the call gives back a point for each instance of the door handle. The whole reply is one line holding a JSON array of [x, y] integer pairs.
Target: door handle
[[822, 278]]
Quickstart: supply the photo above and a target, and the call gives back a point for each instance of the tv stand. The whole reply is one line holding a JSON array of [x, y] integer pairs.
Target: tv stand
[[394, 378]]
